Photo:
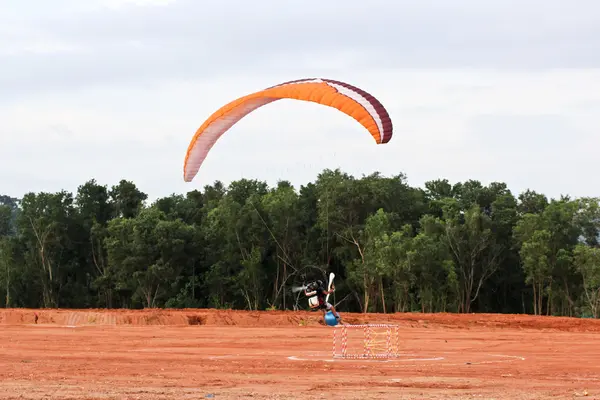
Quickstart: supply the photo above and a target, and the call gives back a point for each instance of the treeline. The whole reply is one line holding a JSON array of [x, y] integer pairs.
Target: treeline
[[456, 248]]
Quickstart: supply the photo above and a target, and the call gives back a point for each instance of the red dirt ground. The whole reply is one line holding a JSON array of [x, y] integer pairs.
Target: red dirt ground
[[222, 354]]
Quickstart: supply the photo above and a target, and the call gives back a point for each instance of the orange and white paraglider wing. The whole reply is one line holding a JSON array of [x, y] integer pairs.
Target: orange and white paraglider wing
[[356, 103]]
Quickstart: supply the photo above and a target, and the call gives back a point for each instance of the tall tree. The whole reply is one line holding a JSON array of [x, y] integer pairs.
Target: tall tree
[[587, 263], [464, 247], [146, 253], [5, 220], [474, 247], [127, 199], [45, 223]]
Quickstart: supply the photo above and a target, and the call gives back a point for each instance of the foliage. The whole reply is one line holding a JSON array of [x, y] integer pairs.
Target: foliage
[[462, 247]]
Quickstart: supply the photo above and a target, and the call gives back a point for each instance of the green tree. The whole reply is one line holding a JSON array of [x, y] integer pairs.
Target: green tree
[[587, 263], [127, 200], [45, 223], [5, 220], [368, 271], [432, 267], [474, 248], [146, 254], [463, 247]]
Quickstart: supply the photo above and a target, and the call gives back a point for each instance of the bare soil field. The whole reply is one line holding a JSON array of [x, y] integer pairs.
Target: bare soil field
[[223, 354]]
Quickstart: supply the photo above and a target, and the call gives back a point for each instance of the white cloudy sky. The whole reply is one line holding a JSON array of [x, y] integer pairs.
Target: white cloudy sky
[[109, 89]]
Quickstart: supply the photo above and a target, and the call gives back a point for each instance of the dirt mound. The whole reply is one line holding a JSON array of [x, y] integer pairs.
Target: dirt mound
[[213, 317], [519, 321]]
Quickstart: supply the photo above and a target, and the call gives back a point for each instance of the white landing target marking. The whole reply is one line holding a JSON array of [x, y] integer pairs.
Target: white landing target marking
[[507, 359], [382, 360], [414, 359], [220, 357]]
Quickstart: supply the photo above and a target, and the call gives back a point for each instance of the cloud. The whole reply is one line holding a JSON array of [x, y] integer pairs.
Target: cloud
[[118, 4], [116, 89], [85, 44], [441, 130]]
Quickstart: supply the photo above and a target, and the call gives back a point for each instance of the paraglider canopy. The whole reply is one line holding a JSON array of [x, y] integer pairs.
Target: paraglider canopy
[[352, 101]]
